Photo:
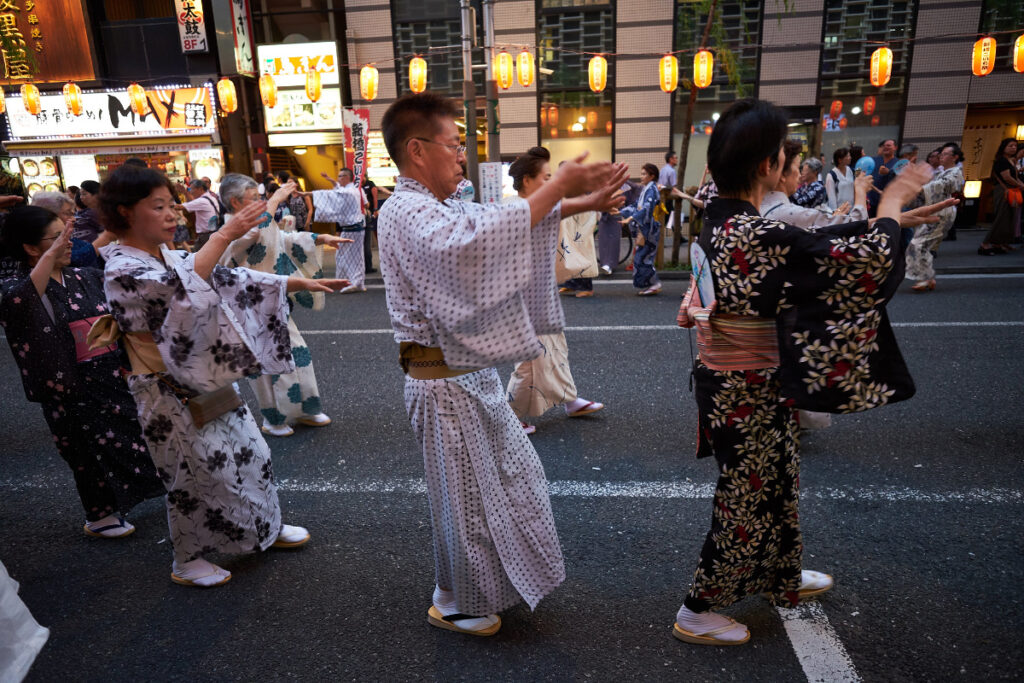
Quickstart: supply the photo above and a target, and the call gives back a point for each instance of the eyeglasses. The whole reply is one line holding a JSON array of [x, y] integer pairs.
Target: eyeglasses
[[50, 239], [458, 149]]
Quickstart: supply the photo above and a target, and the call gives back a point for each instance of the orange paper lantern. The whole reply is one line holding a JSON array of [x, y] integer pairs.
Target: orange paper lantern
[[137, 97], [554, 132], [842, 124], [592, 118], [869, 105], [553, 115], [824, 123], [1018, 54], [708, 130], [503, 70], [598, 72], [30, 99], [314, 85], [3, 101], [881, 66], [984, 60], [227, 96], [668, 73], [703, 67], [417, 74], [369, 80], [543, 116], [836, 109], [73, 98], [524, 68], [268, 91], [608, 127]]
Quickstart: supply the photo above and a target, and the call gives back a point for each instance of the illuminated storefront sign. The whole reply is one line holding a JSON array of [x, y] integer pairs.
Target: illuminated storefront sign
[[46, 41]]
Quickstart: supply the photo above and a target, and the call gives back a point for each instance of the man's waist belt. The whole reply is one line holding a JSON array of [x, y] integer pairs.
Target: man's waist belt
[[355, 227], [736, 342], [425, 362]]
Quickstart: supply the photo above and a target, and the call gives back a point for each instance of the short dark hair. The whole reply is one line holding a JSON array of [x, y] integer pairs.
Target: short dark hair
[[839, 154], [792, 149], [957, 152], [669, 154], [746, 134], [24, 225], [127, 186], [346, 169], [528, 166], [284, 176], [856, 152], [414, 116], [882, 143], [651, 170], [135, 161]]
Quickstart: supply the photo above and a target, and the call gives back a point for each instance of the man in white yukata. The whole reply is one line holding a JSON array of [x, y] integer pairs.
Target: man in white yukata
[[469, 287]]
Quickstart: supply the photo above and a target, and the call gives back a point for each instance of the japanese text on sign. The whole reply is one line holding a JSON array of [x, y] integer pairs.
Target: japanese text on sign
[[191, 25]]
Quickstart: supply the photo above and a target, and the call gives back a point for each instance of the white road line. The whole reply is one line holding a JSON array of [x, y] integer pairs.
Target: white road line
[[664, 490], [817, 645], [663, 328]]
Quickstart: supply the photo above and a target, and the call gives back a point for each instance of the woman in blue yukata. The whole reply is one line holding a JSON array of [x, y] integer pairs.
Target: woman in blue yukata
[[646, 232]]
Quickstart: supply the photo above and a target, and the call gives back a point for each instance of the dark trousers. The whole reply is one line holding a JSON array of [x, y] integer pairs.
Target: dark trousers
[[371, 227]]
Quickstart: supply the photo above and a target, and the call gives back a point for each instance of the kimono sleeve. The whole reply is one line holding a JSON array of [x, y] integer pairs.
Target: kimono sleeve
[[334, 206], [643, 218], [138, 293], [300, 250]]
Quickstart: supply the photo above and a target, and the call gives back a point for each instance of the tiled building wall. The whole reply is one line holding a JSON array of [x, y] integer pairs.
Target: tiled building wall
[[515, 27], [369, 39], [791, 55], [643, 113]]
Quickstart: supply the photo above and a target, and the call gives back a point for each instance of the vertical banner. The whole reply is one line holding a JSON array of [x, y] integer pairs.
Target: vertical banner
[[491, 173], [241, 27], [357, 127], [979, 147], [191, 25]]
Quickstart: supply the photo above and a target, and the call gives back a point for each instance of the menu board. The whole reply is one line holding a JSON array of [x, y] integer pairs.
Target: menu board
[[379, 167], [40, 174], [294, 112]]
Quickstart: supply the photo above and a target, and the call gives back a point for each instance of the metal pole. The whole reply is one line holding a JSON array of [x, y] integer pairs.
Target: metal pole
[[493, 142], [469, 96]]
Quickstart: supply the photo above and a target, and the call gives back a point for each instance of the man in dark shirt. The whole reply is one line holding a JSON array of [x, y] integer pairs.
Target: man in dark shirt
[[372, 205], [882, 174]]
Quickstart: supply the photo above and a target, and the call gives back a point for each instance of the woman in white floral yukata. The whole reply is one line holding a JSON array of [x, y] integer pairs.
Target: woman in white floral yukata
[[803, 313], [192, 328]]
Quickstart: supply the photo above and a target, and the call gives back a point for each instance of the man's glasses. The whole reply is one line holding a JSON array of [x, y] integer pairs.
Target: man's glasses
[[458, 149]]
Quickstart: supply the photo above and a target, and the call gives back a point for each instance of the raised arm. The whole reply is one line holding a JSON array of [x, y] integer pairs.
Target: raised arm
[[572, 179]]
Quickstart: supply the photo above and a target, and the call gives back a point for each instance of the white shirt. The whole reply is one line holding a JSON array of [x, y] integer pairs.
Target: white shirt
[[840, 192], [205, 207], [777, 207]]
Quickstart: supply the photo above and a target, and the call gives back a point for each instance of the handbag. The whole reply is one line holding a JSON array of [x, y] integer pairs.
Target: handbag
[[574, 254], [1014, 196], [205, 408]]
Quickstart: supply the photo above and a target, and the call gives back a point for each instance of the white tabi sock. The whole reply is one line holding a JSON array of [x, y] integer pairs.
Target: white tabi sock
[[444, 601], [699, 623], [573, 406], [200, 572]]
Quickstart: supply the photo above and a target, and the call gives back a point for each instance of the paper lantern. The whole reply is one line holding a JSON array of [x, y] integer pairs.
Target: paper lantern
[[598, 72], [869, 105], [3, 101], [668, 73], [592, 118], [524, 68], [984, 60], [268, 91], [543, 116], [608, 127], [554, 132], [703, 67], [227, 96], [73, 98], [1018, 54], [417, 74], [881, 66], [875, 120], [707, 130], [369, 80], [30, 99], [553, 115], [842, 124], [824, 123], [137, 97], [836, 109], [503, 70], [314, 86]]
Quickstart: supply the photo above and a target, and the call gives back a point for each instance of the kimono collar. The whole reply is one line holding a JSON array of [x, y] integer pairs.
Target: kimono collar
[[407, 184], [722, 208]]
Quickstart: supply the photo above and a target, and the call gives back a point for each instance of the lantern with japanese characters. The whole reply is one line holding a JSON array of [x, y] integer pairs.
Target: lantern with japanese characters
[[881, 66], [268, 91], [703, 68], [137, 97], [503, 70], [668, 73], [597, 70], [417, 74], [984, 57], [314, 86], [869, 105], [1018, 54], [3, 101], [30, 98], [369, 79], [227, 96], [73, 98], [524, 68]]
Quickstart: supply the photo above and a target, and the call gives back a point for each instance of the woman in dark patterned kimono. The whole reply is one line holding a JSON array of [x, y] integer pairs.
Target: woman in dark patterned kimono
[[192, 329], [804, 315], [46, 309]]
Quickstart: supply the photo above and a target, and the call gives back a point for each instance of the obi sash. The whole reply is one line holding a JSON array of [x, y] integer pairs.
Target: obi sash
[[143, 355], [80, 331], [728, 342]]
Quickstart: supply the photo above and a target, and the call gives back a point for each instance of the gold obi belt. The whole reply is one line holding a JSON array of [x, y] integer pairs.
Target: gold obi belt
[[143, 354], [425, 362], [730, 342]]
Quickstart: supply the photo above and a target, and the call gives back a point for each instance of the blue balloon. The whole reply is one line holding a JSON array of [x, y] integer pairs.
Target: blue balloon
[[866, 164], [899, 166]]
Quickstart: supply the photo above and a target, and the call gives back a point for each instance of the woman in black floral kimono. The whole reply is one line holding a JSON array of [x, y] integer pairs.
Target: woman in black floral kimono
[[806, 314], [46, 309]]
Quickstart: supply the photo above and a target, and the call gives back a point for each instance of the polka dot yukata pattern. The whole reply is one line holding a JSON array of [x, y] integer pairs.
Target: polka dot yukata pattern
[[479, 283]]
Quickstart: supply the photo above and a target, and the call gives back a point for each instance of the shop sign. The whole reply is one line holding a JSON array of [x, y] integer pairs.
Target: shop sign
[[191, 25], [379, 166], [46, 41], [491, 174], [180, 111], [294, 112], [289, 62], [357, 126], [241, 27]]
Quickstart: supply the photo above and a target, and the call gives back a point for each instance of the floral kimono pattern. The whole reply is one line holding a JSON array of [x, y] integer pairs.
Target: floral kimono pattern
[[928, 237], [86, 403], [268, 249], [826, 290], [643, 222], [221, 495]]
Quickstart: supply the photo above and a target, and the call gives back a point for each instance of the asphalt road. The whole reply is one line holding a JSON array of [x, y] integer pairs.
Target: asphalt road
[[915, 508]]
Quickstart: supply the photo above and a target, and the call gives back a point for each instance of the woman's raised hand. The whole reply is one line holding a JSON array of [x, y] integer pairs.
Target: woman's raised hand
[[244, 220]]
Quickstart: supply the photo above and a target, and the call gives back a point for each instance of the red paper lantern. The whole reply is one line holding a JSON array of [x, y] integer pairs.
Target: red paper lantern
[[842, 124], [869, 105], [836, 109], [875, 120]]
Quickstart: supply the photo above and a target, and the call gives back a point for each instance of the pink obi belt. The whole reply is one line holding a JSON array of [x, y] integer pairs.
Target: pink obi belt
[[730, 342], [80, 331]]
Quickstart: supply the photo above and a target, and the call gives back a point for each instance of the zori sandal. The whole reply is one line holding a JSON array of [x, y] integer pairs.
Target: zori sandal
[[435, 618], [116, 527], [199, 573], [588, 408], [291, 537], [813, 584], [708, 637]]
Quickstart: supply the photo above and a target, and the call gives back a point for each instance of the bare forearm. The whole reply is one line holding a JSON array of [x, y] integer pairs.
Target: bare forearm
[[543, 200], [40, 274], [207, 257]]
